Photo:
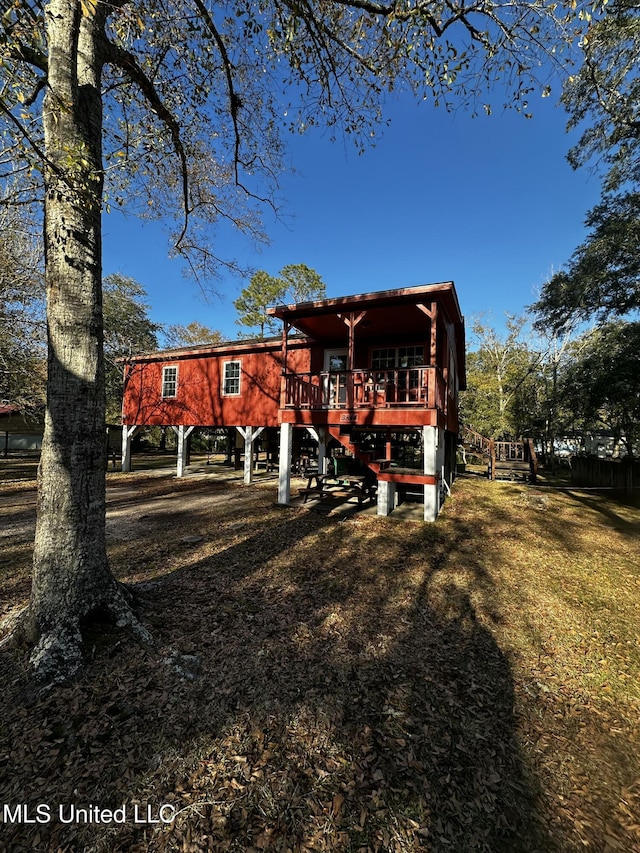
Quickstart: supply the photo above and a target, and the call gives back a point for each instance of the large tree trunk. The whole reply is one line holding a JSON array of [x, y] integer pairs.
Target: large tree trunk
[[71, 578]]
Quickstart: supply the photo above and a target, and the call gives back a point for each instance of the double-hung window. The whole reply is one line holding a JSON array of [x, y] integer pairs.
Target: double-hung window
[[231, 378], [392, 357], [169, 381]]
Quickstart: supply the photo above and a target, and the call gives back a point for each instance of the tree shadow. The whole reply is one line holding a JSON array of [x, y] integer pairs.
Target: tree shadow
[[350, 695], [604, 504]]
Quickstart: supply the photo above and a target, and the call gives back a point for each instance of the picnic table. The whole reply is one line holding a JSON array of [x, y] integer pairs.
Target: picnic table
[[338, 485]]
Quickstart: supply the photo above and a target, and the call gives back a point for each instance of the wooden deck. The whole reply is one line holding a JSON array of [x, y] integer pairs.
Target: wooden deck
[[511, 460]]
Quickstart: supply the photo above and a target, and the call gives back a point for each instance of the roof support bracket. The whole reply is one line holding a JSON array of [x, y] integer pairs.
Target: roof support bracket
[[351, 320]]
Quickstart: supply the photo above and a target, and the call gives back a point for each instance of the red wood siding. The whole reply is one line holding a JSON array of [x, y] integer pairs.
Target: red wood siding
[[426, 316], [199, 400]]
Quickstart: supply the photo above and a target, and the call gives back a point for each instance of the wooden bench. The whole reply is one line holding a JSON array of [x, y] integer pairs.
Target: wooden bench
[[315, 491], [513, 470]]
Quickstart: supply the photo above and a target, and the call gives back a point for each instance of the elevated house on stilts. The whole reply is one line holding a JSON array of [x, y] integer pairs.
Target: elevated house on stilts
[[372, 379]]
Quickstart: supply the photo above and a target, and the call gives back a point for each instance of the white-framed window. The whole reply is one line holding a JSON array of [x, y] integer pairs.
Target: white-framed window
[[391, 357], [231, 378], [169, 381]]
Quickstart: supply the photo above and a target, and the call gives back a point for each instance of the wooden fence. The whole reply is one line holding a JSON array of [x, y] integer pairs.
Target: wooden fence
[[606, 473]]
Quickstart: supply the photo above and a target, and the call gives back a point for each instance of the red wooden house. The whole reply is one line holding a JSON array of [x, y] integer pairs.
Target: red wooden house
[[374, 377]]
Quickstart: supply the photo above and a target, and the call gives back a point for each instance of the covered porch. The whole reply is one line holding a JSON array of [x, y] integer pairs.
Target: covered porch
[[397, 349], [386, 361], [421, 387]]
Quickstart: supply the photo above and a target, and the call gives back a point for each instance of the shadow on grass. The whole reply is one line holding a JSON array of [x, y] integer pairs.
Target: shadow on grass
[[543, 510], [349, 698], [606, 503]]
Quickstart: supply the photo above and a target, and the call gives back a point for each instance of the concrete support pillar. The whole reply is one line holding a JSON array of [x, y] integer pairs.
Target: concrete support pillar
[[431, 501], [127, 434], [433, 455], [284, 472], [183, 432], [386, 497], [247, 434]]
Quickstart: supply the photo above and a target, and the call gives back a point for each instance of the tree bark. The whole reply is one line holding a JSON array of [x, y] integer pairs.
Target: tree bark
[[71, 576]]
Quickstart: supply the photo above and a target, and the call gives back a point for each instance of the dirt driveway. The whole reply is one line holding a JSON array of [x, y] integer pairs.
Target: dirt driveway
[[156, 523], [152, 496], [142, 506]]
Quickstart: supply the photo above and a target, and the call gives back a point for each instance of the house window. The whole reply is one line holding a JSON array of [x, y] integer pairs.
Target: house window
[[169, 381], [382, 359], [391, 357], [410, 356], [231, 378]]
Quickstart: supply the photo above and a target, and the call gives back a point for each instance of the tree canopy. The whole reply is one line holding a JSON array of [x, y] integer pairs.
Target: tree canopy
[[236, 74], [603, 100], [301, 283], [294, 283], [177, 109], [603, 97], [602, 279], [601, 383], [191, 334], [555, 386], [262, 291], [22, 325], [501, 376], [127, 331]]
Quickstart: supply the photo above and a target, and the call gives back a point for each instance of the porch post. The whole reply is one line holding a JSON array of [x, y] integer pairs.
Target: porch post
[[351, 321], [183, 432], [433, 343], [127, 434], [432, 313], [321, 435], [433, 455], [388, 447], [284, 471], [285, 352], [256, 432], [249, 434], [285, 344]]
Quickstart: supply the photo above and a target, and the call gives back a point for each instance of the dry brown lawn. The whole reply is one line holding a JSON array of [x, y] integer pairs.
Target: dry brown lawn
[[363, 684]]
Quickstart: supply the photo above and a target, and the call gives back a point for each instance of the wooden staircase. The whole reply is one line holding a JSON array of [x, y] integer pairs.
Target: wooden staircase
[[475, 443], [512, 460], [344, 435], [381, 469]]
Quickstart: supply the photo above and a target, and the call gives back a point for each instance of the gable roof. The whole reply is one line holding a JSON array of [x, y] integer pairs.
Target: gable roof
[[444, 292]]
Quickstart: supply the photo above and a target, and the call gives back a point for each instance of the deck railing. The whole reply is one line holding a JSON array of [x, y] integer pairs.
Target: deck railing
[[475, 441], [510, 451], [501, 454], [420, 387]]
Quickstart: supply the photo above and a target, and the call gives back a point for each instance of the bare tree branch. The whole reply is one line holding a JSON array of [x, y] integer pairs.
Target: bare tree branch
[[234, 101], [127, 62]]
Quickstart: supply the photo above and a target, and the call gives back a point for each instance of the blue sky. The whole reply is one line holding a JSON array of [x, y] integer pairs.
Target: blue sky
[[488, 202]]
